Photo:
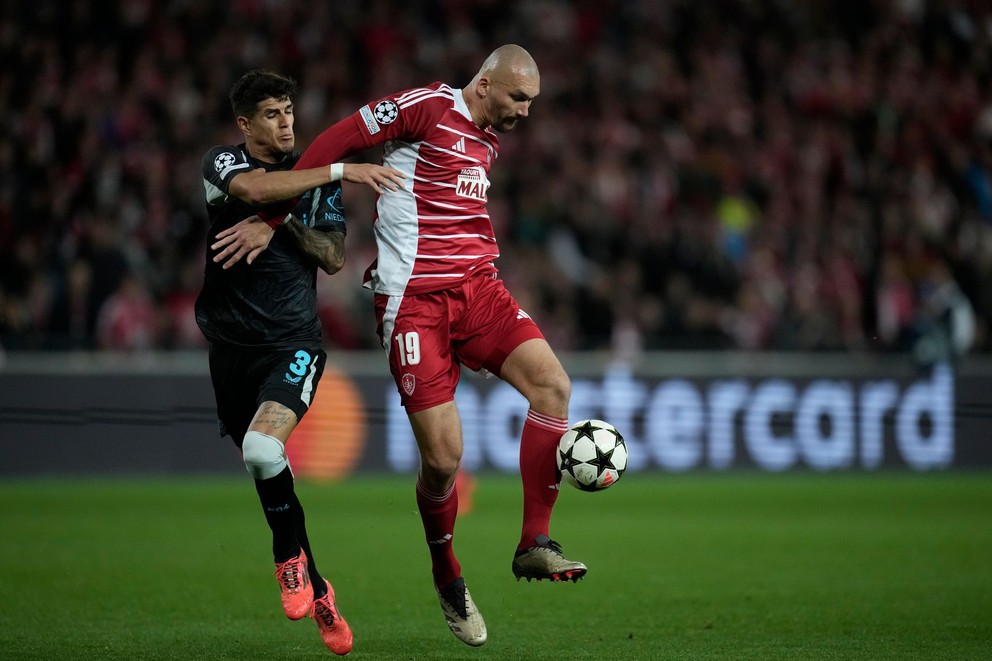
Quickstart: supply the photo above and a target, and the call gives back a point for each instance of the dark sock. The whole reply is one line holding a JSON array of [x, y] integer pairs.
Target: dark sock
[[299, 520], [280, 505]]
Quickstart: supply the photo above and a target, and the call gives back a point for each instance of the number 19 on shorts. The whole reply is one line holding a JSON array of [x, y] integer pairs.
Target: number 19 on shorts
[[408, 345]]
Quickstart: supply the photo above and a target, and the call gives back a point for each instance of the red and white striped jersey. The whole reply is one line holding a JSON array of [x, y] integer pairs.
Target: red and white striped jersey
[[436, 231]]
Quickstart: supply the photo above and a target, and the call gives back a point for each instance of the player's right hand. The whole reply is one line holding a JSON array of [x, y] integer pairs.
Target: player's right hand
[[248, 239]]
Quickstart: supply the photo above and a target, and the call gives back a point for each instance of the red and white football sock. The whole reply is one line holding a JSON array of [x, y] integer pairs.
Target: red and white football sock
[[539, 473], [438, 512]]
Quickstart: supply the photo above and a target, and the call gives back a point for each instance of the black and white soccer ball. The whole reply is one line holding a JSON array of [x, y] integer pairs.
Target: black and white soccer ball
[[592, 455]]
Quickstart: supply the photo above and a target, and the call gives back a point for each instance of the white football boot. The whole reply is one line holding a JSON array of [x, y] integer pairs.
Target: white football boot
[[464, 618], [545, 560]]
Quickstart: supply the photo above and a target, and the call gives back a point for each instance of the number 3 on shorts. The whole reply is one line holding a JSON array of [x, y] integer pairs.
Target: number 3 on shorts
[[299, 368], [408, 345]]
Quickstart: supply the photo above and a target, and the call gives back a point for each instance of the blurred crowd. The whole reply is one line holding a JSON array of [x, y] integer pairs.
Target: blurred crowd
[[752, 174]]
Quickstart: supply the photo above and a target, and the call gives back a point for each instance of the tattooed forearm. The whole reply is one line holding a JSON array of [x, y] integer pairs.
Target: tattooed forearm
[[324, 248]]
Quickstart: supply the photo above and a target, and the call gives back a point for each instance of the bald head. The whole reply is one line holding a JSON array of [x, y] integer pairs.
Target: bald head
[[502, 91], [507, 62]]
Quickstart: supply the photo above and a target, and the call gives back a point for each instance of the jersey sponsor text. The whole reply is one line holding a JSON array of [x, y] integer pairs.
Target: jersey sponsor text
[[473, 183]]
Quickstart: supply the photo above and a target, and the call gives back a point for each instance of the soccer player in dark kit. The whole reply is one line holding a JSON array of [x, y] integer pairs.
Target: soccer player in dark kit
[[261, 320]]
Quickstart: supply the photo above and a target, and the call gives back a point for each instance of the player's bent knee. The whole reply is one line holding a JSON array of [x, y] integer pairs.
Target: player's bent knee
[[264, 455], [562, 387], [551, 393]]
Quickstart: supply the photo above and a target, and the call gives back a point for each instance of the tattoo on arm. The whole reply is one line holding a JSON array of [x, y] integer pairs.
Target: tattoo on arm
[[326, 249]]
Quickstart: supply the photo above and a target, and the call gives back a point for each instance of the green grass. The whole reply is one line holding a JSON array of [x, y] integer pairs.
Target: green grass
[[888, 566]]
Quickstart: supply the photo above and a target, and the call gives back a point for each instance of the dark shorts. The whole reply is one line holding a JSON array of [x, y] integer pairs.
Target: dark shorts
[[244, 379], [428, 337]]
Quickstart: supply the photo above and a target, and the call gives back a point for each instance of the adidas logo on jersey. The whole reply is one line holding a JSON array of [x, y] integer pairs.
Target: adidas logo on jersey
[[459, 146]]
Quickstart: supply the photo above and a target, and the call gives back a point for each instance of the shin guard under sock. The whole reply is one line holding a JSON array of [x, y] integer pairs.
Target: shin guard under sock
[[539, 473], [438, 512], [280, 505], [319, 587]]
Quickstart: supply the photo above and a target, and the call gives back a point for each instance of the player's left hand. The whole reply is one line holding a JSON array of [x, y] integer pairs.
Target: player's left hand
[[376, 176], [248, 239]]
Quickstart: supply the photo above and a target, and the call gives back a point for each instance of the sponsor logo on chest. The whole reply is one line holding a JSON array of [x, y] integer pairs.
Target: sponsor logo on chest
[[473, 183]]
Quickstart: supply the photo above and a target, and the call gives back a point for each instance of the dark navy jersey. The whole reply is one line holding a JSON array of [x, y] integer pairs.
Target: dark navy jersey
[[271, 304]]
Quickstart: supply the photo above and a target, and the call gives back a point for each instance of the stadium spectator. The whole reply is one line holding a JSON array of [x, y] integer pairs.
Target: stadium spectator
[[128, 321]]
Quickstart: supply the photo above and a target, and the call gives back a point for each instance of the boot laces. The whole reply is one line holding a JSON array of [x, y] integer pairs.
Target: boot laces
[[323, 614], [290, 574]]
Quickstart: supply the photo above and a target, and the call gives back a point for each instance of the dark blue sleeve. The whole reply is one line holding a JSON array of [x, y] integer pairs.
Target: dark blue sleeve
[[323, 208]]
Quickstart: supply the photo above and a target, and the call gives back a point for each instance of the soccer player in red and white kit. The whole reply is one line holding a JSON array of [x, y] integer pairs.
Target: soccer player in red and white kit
[[439, 303]]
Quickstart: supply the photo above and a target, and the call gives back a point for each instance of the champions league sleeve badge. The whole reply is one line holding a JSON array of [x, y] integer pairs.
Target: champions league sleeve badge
[[223, 161], [385, 112]]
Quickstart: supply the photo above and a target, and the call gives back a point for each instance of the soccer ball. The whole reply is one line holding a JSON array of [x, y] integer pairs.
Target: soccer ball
[[592, 455]]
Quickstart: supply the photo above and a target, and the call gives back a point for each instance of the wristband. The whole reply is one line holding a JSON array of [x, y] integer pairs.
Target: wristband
[[337, 171], [276, 223]]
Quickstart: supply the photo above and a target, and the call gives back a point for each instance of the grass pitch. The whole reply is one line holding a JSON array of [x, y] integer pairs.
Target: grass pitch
[[885, 566]]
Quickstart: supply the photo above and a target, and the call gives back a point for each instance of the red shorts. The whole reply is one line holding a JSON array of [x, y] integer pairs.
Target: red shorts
[[428, 337]]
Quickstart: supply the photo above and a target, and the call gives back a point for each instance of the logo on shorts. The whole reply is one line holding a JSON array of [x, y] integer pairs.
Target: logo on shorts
[[301, 359], [409, 382]]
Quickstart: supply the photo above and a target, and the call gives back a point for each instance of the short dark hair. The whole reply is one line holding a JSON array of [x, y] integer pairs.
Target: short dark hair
[[258, 85]]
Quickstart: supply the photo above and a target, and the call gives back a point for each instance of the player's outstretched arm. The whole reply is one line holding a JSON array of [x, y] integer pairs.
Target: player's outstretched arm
[[259, 187], [247, 239]]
